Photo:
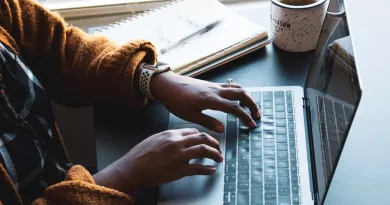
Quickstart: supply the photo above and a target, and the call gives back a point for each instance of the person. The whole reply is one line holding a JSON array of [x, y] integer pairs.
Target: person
[[43, 59]]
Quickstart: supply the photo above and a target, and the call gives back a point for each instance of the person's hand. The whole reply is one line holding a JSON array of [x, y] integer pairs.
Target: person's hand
[[159, 159], [187, 97]]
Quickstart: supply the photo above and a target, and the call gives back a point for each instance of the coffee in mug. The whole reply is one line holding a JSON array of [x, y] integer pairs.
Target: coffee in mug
[[296, 24]]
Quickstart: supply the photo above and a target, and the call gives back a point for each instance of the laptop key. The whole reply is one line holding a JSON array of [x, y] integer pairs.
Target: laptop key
[[295, 199], [231, 118], [257, 169], [243, 167], [268, 104], [288, 94], [280, 108], [243, 127], [268, 96], [268, 112], [279, 101], [290, 116], [291, 125], [230, 178], [283, 172], [269, 143], [256, 154], [280, 115], [293, 161], [230, 168], [242, 197], [283, 163], [242, 185], [230, 187], [284, 200], [269, 151], [256, 162], [256, 145], [289, 108], [226, 197], [243, 176], [256, 189], [269, 177], [270, 202], [282, 155], [269, 168], [294, 179], [281, 147], [243, 150], [255, 137], [269, 159], [291, 133], [243, 158], [281, 138], [284, 191], [243, 140], [281, 130], [295, 189], [233, 197], [231, 143], [257, 180], [283, 181], [280, 123], [279, 94], [268, 134], [294, 169], [256, 199], [229, 203]]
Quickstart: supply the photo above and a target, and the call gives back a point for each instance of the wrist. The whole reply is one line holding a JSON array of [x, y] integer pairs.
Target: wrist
[[114, 177], [146, 73], [158, 81]]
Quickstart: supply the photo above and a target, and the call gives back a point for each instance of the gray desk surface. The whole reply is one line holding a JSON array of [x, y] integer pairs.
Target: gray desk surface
[[363, 176]]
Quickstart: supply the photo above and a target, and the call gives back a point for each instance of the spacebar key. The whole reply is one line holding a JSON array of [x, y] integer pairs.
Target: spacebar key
[[231, 143]]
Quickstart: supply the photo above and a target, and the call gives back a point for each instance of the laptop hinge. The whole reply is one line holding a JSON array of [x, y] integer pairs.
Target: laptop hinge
[[307, 108]]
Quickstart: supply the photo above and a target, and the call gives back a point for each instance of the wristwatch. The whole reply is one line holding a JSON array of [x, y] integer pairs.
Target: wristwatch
[[147, 71]]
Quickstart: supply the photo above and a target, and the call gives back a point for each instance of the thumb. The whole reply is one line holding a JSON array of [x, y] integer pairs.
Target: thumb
[[206, 121]]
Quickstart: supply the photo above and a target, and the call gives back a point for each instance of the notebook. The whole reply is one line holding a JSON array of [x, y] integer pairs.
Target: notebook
[[217, 34]]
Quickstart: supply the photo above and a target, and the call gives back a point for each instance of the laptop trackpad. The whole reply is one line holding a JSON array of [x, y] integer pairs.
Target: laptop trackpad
[[217, 136]]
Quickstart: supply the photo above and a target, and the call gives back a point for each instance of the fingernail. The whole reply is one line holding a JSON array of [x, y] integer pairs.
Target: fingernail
[[258, 115], [221, 159], [252, 124], [220, 128]]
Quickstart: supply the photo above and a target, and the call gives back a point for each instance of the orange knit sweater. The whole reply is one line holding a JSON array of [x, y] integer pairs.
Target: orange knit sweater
[[76, 69]]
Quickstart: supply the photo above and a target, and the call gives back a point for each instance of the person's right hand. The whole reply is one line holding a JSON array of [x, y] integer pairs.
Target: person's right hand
[[161, 158]]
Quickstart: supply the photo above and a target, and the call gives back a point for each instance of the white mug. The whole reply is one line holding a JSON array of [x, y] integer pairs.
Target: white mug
[[297, 28]]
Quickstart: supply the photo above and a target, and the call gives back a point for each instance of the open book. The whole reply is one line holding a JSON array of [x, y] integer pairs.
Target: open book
[[190, 34]]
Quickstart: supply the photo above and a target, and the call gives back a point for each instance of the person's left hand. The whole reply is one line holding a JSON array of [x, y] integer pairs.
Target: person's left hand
[[187, 97]]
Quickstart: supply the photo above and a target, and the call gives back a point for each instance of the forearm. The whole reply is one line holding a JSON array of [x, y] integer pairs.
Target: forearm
[[76, 68]]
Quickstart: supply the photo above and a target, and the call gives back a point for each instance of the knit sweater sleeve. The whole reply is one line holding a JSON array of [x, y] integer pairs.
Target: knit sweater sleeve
[[76, 68]]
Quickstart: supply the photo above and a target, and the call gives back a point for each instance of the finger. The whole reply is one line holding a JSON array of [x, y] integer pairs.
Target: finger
[[233, 85], [201, 138], [243, 96], [233, 108], [197, 169], [201, 151], [206, 121], [187, 131]]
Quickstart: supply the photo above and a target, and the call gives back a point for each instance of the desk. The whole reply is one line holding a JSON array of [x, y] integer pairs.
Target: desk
[[266, 67]]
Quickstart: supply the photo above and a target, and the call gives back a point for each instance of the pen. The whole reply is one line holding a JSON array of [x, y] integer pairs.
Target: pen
[[199, 32]]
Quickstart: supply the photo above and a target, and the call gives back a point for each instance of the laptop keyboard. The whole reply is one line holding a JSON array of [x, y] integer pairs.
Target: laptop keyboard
[[261, 163], [334, 119]]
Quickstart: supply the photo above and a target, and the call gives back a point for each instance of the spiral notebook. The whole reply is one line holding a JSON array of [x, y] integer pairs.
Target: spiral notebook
[[191, 35]]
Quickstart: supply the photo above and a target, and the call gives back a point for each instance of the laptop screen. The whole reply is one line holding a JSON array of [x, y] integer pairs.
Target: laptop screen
[[333, 90]]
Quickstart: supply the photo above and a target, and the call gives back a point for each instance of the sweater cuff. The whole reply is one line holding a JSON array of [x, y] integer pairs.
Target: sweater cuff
[[80, 188]]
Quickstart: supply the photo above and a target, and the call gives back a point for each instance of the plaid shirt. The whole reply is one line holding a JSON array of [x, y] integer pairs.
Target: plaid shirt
[[34, 158]]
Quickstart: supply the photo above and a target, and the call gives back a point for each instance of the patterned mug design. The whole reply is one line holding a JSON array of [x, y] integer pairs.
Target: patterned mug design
[[297, 28]]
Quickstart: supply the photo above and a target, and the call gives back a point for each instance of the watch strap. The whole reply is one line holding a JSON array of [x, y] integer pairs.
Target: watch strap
[[147, 71]]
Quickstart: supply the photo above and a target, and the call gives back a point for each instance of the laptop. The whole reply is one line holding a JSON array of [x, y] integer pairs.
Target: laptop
[[292, 154]]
